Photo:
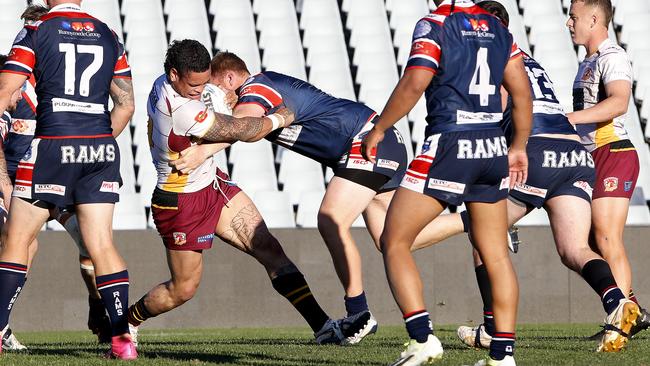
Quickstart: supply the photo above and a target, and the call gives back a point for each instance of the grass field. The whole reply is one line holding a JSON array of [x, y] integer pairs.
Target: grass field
[[536, 345]]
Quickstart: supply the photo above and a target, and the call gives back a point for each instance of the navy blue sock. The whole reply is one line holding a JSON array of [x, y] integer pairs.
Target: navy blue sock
[[486, 295], [356, 304], [12, 279], [418, 325], [599, 276], [114, 290], [503, 344], [465, 217]]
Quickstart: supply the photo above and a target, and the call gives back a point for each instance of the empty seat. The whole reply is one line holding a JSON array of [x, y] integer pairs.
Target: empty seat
[[295, 183], [308, 206], [129, 213], [293, 163], [276, 209]]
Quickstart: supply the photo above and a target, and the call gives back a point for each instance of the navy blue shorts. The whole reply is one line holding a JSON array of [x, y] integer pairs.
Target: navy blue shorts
[[457, 167], [390, 165], [65, 172], [556, 167]]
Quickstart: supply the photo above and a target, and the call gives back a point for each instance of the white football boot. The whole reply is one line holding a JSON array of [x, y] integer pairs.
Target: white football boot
[[507, 361], [10, 342], [618, 325], [475, 337], [358, 326], [417, 354]]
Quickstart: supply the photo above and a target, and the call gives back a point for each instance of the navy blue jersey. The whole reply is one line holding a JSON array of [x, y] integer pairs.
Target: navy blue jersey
[[467, 49], [548, 113], [74, 57], [21, 127], [324, 126]]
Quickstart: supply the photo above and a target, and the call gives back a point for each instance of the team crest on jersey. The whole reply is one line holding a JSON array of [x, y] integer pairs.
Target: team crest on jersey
[[422, 29], [28, 154], [611, 184], [179, 238], [200, 118], [588, 74]]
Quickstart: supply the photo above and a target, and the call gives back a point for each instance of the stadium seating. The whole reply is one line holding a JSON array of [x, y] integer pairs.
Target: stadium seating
[[354, 49]]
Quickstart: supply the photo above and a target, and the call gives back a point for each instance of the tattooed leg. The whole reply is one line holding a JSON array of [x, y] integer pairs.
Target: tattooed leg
[[242, 226]]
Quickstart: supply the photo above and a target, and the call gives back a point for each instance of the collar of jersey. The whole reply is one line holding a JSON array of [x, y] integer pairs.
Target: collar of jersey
[[66, 7]]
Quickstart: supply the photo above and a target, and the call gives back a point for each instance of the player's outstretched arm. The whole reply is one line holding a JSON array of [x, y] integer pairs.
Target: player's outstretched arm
[[9, 83], [402, 100], [248, 129], [123, 104], [618, 98], [516, 82]]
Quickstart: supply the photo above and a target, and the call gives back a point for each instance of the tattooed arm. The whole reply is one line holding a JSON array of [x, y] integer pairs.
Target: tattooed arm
[[122, 95], [229, 129]]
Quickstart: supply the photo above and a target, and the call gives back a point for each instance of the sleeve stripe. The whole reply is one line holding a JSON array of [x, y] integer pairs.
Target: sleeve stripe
[[23, 48], [426, 40], [22, 55], [16, 72], [122, 70], [428, 58], [263, 91], [426, 49], [19, 64], [261, 97]]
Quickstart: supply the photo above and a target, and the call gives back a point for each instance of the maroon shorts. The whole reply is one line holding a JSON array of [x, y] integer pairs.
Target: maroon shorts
[[617, 169], [187, 221]]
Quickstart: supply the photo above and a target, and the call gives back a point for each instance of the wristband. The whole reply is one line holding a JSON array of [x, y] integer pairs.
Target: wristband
[[275, 119]]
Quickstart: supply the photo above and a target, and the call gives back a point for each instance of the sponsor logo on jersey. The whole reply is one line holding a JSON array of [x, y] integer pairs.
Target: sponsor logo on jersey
[[179, 238], [19, 126], [610, 183], [627, 186], [205, 238], [585, 186], [50, 189], [84, 29], [201, 116], [110, 187], [477, 28], [530, 190], [505, 183], [447, 186], [389, 164]]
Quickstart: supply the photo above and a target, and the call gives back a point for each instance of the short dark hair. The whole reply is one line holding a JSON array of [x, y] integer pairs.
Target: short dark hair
[[3, 59], [604, 5], [33, 13], [227, 61], [186, 56], [495, 8]]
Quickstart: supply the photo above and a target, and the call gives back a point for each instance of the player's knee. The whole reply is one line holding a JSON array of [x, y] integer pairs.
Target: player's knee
[[184, 291], [329, 222]]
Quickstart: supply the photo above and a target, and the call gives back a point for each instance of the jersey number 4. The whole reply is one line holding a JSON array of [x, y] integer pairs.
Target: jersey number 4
[[71, 50], [480, 84]]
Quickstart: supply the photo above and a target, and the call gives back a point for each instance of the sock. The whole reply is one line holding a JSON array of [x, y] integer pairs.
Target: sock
[[465, 217], [356, 304], [96, 308], [418, 325], [503, 344], [486, 295], [599, 276], [295, 289], [632, 297], [138, 313], [114, 290], [12, 280]]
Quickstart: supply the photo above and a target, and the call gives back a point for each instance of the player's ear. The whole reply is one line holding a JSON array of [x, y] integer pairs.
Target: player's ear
[[173, 75]]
